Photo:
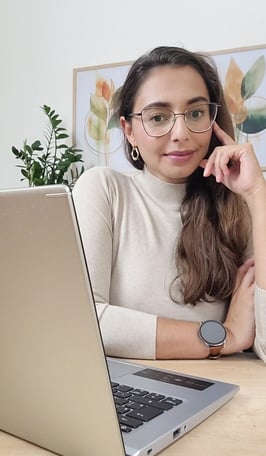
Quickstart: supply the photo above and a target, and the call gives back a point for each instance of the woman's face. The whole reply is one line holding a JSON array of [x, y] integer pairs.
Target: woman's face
[[177, 154]]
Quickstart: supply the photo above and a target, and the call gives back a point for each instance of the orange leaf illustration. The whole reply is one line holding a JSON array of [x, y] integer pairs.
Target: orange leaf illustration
[[232, 92]]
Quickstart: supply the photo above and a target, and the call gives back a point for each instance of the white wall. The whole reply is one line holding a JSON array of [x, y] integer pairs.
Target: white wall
[[43, 40]]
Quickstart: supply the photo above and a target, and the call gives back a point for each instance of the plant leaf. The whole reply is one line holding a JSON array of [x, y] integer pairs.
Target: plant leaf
[[50, 166], [62, 136], [37, 145]]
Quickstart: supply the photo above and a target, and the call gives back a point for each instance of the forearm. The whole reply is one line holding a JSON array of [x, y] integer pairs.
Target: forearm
[[177, 339], [257, 206], [127, 333], [260, 316]]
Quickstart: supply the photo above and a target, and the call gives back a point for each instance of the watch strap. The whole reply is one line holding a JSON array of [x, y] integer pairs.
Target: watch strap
[[215, 352]]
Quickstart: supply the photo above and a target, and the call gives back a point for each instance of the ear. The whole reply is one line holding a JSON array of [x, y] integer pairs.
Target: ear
[[127, 129]]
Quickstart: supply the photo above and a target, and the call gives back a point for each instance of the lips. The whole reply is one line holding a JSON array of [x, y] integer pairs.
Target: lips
[[179, 157], [183, 153]]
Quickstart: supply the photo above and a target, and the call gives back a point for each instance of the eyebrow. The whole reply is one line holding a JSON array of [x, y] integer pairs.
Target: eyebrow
[[163, 104]]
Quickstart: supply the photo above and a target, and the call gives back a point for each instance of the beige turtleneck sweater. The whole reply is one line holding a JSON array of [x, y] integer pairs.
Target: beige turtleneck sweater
[[129, 226]]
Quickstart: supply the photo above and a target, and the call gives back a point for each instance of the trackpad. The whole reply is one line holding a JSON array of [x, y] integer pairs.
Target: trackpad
[[118, 368]]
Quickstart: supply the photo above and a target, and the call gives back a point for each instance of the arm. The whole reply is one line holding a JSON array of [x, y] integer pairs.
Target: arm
[[246, 178], [179, 339], [126, 332]]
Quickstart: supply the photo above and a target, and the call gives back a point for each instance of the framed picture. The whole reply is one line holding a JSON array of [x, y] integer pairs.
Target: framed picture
[[96, 132], [95, 128], [243, 75]]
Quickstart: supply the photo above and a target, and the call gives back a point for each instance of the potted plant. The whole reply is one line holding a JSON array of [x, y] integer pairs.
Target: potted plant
[[51, 163]]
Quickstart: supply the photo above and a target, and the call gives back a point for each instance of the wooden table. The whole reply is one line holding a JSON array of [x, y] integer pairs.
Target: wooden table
[[238, 428]]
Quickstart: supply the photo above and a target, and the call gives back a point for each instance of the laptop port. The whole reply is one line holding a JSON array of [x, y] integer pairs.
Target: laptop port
[[176, 433]]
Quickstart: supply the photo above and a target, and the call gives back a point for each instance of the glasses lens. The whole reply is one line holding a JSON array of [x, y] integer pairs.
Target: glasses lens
[[201, 117], [157, 121]]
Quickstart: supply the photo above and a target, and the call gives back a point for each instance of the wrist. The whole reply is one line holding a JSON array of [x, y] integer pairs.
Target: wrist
[[234, 343], [213, 335], [231, 343]]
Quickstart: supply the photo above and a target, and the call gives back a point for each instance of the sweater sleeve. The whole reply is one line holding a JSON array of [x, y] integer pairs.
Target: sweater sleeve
[[126, 332], [260, 318]]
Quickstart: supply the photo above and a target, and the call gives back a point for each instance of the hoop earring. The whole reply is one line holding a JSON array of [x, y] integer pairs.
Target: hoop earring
[[135, 153]]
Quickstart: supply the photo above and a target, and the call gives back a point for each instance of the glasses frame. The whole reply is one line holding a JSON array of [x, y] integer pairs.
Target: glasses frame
[[176, 114]]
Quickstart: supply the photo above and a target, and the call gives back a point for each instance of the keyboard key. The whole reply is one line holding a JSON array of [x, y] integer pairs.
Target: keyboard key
[[155, 396], [122, 394], [173, 401], [128, 421], [125, 428], [139, 392], [125, 388], [145, 414], [151, 402], [120, 400], [136, 406]]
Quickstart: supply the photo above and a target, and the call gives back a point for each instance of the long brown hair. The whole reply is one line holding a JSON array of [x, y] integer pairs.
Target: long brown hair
[[215, 221]]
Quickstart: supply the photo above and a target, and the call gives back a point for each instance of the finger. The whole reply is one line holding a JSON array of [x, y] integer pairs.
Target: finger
[[223, 163], [223, 137], [208, 165], [250, 261], [249, 277], [218, 165], [247, 281], [242, 270]]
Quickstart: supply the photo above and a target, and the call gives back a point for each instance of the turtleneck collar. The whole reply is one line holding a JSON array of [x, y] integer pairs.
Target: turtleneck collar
[[159, 190]]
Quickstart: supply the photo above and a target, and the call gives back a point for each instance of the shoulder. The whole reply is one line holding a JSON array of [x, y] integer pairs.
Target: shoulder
[[104, 173], [103, 179]]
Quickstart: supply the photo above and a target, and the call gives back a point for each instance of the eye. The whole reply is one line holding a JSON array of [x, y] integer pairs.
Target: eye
[[157, 116], [197, 113]]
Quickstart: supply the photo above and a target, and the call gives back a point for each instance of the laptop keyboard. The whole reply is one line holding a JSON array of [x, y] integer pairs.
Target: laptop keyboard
[[136, 406]]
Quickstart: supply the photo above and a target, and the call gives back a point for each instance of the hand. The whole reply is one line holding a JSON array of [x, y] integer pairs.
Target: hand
[[240, 319], [234, 165]]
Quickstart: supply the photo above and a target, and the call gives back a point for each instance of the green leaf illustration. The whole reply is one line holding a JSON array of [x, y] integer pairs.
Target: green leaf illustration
[[256, 118], [113, 122], [253, 78]]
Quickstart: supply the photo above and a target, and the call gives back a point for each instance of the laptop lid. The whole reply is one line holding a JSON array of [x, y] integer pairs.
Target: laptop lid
[[55, 388], [52, 361]]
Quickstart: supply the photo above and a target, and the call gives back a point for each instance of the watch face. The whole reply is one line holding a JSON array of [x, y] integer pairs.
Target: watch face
[[212, 332]]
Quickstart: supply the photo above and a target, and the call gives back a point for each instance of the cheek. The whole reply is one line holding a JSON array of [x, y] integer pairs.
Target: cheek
[[204, 142], [140, 134], [150, 146]]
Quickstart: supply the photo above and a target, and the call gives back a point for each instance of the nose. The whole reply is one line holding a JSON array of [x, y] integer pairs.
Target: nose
[[180, 131]]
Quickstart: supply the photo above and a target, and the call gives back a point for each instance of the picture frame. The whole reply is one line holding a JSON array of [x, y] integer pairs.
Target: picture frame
[[94, 128], [243, 75]]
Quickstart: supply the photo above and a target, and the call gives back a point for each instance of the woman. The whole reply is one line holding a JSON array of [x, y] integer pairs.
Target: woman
[[171, 245]]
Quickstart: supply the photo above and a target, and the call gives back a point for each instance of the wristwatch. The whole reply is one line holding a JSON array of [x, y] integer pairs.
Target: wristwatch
[[213, 334]]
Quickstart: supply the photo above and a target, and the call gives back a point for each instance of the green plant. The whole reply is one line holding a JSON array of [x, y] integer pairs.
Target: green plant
[[53, 163]]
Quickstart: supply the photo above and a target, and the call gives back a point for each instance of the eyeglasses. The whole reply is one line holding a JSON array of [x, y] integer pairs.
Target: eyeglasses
[[159, 121]]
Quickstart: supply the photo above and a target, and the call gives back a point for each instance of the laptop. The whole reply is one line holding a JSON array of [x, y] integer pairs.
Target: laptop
[[58, 390]]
